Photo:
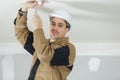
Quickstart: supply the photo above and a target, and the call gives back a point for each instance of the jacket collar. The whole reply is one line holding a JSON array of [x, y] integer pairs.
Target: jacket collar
[[59, 41]]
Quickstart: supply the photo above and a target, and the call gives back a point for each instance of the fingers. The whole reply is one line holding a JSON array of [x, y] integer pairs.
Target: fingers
[[36, 18], [43, 1], [36, 21], [36, 15], [33, 4]]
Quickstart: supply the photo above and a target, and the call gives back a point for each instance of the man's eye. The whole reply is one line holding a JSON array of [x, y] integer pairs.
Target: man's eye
[[53, 24], [60, 26]]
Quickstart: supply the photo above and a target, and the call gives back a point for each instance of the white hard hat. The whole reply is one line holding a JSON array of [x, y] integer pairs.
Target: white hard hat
[[61, 14]]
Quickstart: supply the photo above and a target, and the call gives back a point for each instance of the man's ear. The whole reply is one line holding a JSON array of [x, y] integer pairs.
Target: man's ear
[[67, 31]]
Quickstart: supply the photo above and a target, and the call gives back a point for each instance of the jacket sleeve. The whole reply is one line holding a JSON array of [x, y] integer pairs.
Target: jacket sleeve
[[42, 47], [54, 55], [22, 33], [72, 54]]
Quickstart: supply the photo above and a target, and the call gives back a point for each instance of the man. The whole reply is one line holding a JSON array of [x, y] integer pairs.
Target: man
[[52, 58]]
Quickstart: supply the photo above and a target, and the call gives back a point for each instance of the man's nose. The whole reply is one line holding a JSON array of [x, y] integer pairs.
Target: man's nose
[[56, 27]]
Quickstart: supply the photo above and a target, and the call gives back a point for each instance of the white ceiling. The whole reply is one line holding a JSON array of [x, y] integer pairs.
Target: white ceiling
[[92, 20]]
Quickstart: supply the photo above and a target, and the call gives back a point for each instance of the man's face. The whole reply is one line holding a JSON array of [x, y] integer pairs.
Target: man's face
[[57, 28]]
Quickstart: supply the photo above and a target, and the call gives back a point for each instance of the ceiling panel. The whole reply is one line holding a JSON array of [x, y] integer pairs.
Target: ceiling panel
[[94, 20]]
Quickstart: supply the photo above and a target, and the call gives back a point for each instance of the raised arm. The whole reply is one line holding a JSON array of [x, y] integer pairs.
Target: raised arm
[[24, 36]]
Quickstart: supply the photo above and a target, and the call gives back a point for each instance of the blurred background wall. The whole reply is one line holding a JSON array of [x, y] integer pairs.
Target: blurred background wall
[[95, 33]]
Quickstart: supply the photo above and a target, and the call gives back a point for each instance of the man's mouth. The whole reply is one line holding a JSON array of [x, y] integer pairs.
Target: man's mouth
[[54, 32]]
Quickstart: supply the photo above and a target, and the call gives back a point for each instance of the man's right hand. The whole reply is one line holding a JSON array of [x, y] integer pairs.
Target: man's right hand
[[29, 4]]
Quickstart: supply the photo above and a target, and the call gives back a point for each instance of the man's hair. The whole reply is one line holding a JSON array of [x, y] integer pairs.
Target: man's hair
[[67, 24]]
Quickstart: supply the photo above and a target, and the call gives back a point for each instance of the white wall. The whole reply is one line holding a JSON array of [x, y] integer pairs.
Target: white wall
[[94, 61]]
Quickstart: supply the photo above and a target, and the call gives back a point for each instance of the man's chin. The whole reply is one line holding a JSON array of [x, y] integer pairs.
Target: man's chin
[[55, 37]]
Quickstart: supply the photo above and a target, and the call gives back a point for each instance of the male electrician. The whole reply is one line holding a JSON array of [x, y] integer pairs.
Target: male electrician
[[53, 58]]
